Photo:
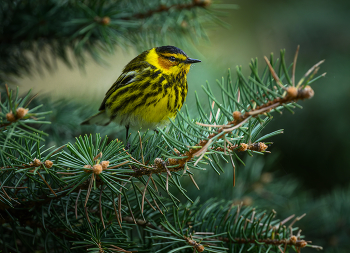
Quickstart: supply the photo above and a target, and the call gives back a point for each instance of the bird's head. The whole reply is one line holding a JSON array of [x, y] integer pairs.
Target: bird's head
[[171, 60]]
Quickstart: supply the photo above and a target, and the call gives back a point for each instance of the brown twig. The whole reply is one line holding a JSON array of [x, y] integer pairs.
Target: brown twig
[[120, 206], [234, 171], [294, 65], [147, 200], [290, 242], [116, 166], [119, 249], [46, 183], [144, 194], [116, 213], [30, 100], [163, 8], [76, 204], [155, 202], [99, 155], [155, 186], [143, 160], [273, 73], [2, 188], [193, 181], [89, 188], [87, 215], [100, 207]]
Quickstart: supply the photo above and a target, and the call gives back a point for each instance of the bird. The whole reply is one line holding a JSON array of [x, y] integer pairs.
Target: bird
[[150, 91]]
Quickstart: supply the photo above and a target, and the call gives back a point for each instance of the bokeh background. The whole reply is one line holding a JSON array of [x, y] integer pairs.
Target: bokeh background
[[308, 168]]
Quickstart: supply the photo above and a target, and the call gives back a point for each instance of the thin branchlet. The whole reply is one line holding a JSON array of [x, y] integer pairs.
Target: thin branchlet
[[163, 8]]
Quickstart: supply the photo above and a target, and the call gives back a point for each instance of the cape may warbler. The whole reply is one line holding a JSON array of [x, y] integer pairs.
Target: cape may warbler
[[150, 90]]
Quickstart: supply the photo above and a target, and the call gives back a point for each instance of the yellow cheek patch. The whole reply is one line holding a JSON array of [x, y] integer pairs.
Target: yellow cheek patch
[[152, 58]]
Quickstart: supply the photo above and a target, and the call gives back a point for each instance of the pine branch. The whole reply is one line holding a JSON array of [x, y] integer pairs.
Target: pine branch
[[163, 8], [96, 185], [235, 228], [102, 165], [92, 27], [290, 96]]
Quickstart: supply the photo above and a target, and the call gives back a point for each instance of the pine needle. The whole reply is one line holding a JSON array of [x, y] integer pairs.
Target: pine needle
[[143, 161], [193, 181], [144, 194], [46, 183], [100, 206], [294, 65], [273, 73], [116, 213], [89, 189], [76, 204]]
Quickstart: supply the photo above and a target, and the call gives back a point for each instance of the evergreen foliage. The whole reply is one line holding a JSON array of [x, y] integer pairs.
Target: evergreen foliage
[[93, 27], [96, 195], [126, 198]]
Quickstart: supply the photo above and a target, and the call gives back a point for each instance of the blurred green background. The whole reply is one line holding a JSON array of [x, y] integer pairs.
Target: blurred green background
[[308, 170]]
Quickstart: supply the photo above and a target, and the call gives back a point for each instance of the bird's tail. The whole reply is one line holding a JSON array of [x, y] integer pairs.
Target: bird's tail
[[100, 119]]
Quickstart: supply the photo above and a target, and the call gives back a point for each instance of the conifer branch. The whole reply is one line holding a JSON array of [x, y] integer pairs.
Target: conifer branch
[[94, 27], [163, 8], [98, 186], [292, 95]]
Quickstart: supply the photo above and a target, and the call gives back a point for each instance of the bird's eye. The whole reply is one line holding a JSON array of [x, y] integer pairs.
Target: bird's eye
[[172, 58]]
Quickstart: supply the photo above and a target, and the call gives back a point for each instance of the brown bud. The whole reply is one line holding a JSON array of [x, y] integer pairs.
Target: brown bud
[[104, 164], [21, 112], [305, 93], [105, 20], [302, 244], [36, 162], [172, 161], [97, 169], [200, 248], [293, 239], [158, 162], [242, 147], [87, 167], [237, 115], [260, 147], [10, 117], [48, 164], [292, 92]]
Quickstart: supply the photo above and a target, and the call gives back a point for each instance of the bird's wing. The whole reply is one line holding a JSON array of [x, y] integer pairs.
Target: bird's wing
[[132, 72], [124, 79]]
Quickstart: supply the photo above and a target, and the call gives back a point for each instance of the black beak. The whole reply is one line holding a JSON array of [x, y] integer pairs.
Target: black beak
[[190, 61]]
